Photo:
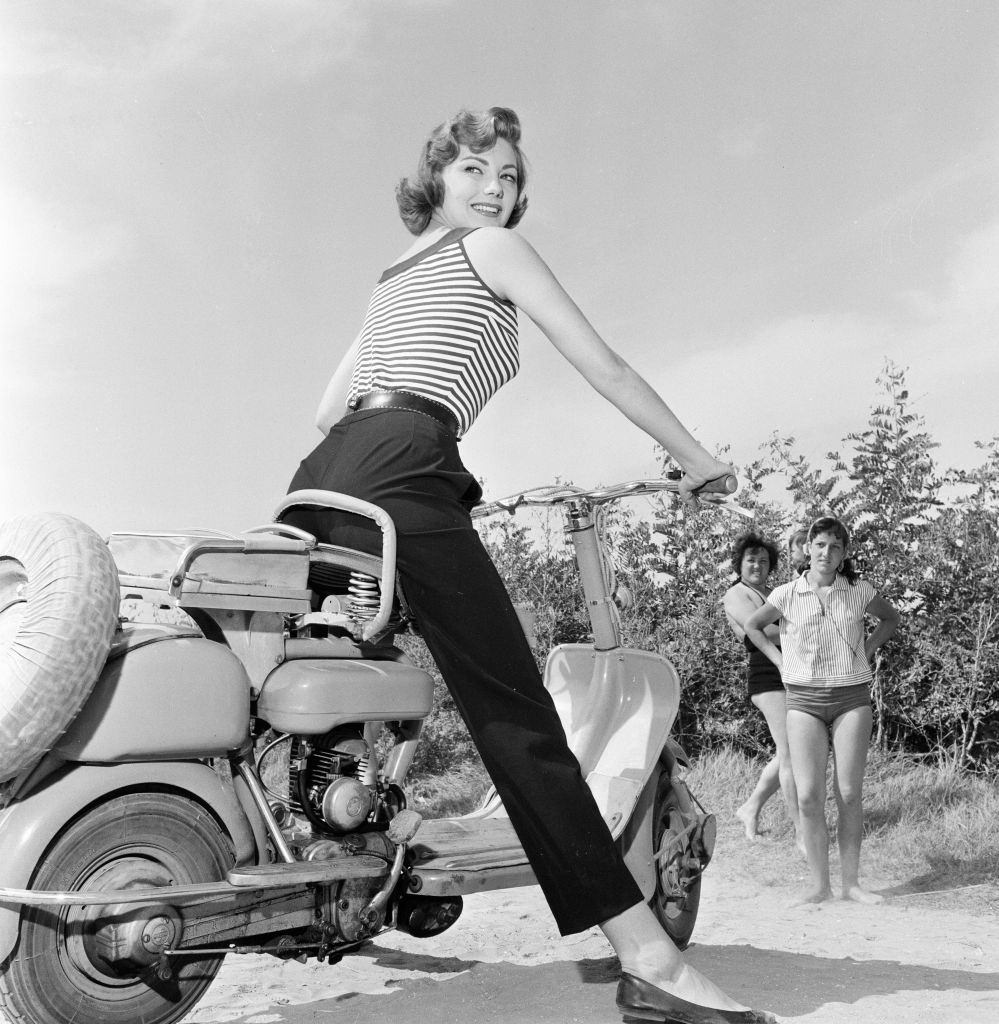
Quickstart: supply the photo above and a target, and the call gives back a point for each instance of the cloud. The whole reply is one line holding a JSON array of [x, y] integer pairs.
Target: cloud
[[295, 38], [972, 295], [744, 139], [899, 224], [813, 377], [47, 247]]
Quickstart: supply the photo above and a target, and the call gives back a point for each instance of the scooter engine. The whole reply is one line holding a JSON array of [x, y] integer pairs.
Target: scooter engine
[[327, 779]]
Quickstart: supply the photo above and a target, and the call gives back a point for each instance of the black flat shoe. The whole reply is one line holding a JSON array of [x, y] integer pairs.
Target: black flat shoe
[[638, 1000]]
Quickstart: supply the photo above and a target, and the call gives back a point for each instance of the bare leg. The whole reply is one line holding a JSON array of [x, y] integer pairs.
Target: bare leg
[[808, 739], [851, 737], [773, 705], [648, 953], [767, 784]]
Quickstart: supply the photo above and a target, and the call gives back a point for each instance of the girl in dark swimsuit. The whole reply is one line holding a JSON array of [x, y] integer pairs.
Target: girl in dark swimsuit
[[753, 560]]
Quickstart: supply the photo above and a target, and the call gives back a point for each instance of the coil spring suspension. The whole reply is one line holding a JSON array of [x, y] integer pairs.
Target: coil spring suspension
[[364, 596]]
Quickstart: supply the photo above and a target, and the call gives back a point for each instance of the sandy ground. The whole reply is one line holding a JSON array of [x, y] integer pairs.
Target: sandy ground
[[914, 959]]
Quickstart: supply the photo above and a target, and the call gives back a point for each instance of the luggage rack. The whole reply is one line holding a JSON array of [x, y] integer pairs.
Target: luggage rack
[[253, 591], [196, 569]]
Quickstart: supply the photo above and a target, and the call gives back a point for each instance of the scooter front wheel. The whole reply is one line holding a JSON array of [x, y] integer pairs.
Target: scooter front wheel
[[100, 964], [678, 873]]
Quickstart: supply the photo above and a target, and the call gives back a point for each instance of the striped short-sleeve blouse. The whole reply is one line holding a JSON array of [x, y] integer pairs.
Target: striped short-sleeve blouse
[[435, 329], [823, 645]]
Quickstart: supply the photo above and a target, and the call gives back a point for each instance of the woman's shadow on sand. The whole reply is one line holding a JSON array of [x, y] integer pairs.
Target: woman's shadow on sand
[[793, 984], [788, 984]]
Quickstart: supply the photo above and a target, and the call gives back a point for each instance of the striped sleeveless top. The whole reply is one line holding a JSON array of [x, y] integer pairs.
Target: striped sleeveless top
[[435, 329]]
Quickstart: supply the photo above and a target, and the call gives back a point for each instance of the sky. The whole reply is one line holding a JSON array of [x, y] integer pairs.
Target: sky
[[757, 204]]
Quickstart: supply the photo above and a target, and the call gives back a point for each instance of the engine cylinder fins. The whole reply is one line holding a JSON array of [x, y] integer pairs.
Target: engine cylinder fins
[[338, 757]]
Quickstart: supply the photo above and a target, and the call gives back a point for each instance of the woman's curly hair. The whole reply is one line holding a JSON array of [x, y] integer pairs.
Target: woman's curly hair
[[420, 195], [747, 542]]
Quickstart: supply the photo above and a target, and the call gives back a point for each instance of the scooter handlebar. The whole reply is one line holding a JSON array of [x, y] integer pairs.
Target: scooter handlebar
[[560, 494]]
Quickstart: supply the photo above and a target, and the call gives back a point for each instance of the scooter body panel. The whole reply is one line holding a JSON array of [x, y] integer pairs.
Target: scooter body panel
[[617, 708], [33, 821], [180, 697], [313, 696]]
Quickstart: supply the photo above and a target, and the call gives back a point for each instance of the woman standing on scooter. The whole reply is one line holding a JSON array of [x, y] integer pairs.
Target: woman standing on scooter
[[754, 559], [439, 338], [824, 660]]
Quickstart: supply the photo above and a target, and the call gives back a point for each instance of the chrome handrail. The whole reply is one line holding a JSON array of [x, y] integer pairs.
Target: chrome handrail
[[348, 503]]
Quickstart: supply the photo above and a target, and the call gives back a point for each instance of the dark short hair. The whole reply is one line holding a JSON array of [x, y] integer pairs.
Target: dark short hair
[[419, 196], [829, 524], [747, 542]]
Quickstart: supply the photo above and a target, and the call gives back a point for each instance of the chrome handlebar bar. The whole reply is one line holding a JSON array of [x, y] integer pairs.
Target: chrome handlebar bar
[[561, 494]]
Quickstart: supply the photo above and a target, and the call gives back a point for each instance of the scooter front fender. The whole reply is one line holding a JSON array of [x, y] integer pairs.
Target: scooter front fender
[[617, 708], [636, 840], [29, 825]]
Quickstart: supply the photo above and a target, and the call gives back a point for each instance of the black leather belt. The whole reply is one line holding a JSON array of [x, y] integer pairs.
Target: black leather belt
[[407, 400]]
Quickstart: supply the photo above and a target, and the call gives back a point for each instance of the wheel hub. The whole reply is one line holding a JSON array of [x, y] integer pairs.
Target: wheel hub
[[677, 866], [116, 940], [131, 939]]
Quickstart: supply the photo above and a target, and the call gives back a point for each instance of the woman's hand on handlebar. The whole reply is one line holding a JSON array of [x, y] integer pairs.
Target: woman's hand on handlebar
[[720, 478]]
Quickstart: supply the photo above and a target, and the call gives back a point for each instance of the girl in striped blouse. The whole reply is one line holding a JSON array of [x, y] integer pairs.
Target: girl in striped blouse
[[439, 338], [824, 661]]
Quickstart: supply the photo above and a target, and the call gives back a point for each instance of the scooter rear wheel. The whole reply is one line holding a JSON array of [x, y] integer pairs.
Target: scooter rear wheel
[[99, 965], [678, 878]]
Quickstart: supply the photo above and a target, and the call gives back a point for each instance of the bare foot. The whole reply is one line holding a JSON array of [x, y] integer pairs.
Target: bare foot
[[812, 898], [750, 821], [858, 895]]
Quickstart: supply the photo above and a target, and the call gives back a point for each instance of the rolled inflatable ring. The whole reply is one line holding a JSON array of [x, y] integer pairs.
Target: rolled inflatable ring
[[58, 614]]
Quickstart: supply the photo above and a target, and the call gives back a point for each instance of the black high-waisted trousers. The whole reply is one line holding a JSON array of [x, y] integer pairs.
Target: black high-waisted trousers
[[409, 465]]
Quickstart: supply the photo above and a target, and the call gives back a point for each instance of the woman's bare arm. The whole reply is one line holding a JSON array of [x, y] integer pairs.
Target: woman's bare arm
[[333, 404], [739, 606], [511, 267], [888, 620], [755, 627]]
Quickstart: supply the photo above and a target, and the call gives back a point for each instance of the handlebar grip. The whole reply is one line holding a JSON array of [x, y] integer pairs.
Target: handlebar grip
[[727, 484]]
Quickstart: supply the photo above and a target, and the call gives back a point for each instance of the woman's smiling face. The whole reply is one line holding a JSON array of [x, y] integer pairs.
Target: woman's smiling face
[[480, 188], [755, 567]]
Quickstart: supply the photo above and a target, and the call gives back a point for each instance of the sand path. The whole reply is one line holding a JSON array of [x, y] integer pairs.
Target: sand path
[[915, 959]]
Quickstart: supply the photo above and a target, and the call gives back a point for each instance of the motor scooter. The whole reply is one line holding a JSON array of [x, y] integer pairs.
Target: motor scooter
[[151, 839]]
